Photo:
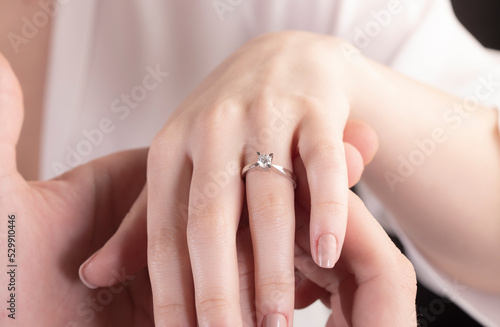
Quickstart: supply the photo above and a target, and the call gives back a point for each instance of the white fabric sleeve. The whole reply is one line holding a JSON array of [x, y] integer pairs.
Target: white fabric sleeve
[[440, 52]]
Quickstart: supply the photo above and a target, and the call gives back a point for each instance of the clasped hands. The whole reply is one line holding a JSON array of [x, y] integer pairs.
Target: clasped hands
[[205, 247]]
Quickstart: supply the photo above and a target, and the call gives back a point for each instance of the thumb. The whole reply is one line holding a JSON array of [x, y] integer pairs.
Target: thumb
[[11, 117]]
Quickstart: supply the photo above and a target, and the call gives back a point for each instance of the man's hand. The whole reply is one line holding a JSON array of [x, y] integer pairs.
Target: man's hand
[[58, 224], [373, 284]]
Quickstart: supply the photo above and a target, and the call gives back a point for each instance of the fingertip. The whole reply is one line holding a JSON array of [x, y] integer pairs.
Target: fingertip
[[355, 165], [363, 137], [275, 320], [326, 243], [327, 251], [82, 272], [126, 250]]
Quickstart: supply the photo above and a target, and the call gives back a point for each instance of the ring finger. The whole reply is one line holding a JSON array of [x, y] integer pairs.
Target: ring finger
[[270, 198]]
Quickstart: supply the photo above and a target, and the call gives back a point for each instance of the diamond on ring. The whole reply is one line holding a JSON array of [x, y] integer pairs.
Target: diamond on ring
[[265, 162]]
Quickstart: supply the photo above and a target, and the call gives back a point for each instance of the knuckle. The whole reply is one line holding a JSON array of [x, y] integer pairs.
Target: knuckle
[[156, 154], [276, 281], [213, 124], [269, 209], [208, 224], [330, 207], [213, 304], [155, 148], [273, 110], [215, 311], [164, 149], [263, 105], [163, 243], [313, 105], [324, 150], [169, 310], [326, 161], [218, 116]]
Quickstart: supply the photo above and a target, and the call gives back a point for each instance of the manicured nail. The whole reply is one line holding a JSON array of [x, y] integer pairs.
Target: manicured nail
[[81, 272], [327, 251], [274, 320]]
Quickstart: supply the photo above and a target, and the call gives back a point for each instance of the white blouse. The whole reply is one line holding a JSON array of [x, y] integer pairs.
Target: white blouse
[[119, 68]]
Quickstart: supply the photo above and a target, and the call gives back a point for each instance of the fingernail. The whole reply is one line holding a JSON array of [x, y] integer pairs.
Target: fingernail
[[327, 251], [274, 320], [81, 272]]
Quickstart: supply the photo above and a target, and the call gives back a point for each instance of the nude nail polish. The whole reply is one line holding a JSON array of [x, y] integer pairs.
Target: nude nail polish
[[327, 251], [274, 320]]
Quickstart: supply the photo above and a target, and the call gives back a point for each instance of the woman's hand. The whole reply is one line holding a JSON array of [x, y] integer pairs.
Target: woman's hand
[[54, 225], [284, 93]]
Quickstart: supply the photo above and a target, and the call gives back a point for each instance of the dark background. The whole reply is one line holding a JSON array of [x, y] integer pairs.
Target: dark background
[[482, 19]]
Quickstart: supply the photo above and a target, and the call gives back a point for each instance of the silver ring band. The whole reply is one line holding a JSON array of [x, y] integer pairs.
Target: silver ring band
[[264, 162]]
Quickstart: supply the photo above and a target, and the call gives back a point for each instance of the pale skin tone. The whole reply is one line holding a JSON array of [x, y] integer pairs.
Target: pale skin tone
[[427, 225], [319, 96], [63, 220]]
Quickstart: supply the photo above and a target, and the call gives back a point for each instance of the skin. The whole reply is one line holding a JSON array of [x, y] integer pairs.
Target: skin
[[206, 234], [29, 61], [318, 96], [451, 195], [360, 289], [428, 226], [61, 221]]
